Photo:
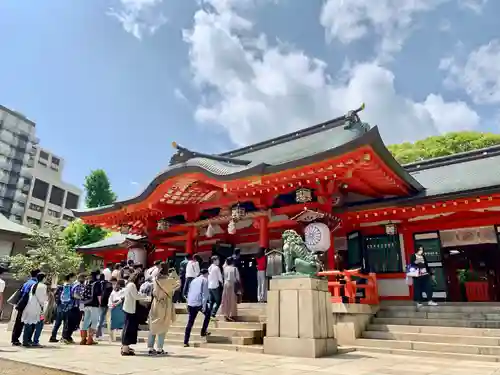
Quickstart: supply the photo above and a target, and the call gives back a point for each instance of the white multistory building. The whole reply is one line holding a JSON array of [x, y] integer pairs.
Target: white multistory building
[[50, 199], [17, 150]]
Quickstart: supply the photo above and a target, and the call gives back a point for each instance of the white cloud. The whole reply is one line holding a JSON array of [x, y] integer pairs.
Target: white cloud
[[479, 75], [474, 5], [139, 17], [390, 20], [134, 183], [255, 90], [179, 94]]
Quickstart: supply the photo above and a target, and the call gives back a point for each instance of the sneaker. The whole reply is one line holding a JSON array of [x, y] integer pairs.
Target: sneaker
[[186, 345], [432, 303], [161, 352], [16, 343], [419, 305], [152, 352], [53, 339], [206, 334]]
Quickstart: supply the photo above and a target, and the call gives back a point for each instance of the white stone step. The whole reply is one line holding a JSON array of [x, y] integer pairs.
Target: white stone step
[[430, 346], [439, 322], [428, 354], [431, 314], [447, 308], [231, 347], [434, 338], [435, 330]]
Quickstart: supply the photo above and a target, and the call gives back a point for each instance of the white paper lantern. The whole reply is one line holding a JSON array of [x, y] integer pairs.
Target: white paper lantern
[[138, 255], [317, 237], [210, 231], [231, 228]]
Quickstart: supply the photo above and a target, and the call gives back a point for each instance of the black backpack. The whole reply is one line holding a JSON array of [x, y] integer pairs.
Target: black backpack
[[88, 292]]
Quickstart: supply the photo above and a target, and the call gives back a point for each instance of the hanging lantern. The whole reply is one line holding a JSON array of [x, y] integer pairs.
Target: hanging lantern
[[303, 195], [210, 230], [162, 224], [390, 229], [237, 212], [231, 228], [125, 229]]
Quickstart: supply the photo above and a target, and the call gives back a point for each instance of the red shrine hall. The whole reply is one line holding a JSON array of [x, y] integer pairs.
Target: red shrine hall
[[339, 173]]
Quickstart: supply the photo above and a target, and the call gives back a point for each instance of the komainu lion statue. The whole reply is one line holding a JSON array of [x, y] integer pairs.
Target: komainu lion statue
[[298, 258]]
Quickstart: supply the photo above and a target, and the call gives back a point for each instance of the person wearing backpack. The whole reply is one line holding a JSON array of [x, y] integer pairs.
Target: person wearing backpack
[[64, 303], [91, 300], [20, 305]]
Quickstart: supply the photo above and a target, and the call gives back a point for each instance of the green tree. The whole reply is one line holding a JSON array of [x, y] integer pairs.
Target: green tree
[[47, 251], [79, 234], [442, 145], [98, 189]]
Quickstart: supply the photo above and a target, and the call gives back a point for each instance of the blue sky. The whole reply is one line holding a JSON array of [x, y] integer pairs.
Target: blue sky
[[111, 83]]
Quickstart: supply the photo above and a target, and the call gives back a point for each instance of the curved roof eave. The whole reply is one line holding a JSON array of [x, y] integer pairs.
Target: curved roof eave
[[371, 138]]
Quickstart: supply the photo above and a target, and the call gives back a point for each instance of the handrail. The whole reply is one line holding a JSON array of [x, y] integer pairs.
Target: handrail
[[344, 289]]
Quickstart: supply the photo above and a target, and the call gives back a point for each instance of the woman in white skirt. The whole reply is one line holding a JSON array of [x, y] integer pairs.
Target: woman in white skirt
[[33, 312]]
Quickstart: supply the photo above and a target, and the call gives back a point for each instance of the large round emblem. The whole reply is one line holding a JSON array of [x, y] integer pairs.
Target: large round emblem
[[317, 237]]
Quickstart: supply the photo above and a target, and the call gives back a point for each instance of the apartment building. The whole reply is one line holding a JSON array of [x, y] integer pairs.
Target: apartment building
[[17, 141], [50, 199]]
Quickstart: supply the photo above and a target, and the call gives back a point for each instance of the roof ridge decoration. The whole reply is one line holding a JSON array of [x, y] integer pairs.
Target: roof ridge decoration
[[183, 155], [348, 121]]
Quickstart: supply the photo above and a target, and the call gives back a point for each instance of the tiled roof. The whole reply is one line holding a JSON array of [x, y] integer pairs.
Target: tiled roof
[[288, 151], [9, 226], [115, 240], [462, 175]]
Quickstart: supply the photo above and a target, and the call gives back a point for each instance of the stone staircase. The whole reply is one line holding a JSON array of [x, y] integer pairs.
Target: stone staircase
[[245, 334], [465, 331]]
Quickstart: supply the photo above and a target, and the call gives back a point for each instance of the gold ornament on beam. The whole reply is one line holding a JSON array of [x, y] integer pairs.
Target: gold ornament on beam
[[303, 195], [237, 212], [162, 224], [125, 229]]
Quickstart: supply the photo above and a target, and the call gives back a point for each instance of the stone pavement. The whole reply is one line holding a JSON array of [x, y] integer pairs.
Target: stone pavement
[[105, 359]]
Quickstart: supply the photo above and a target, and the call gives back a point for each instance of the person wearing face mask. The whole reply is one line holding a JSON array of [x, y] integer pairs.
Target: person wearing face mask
[[422, 282]]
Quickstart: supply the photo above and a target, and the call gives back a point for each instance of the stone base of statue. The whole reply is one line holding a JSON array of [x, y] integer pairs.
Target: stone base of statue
[[299, 318]]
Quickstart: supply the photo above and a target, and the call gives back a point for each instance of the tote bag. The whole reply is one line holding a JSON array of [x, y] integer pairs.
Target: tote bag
[[412, 271]]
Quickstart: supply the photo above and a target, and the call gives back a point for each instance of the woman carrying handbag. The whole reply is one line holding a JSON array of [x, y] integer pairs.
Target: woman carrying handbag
[[422, 278]]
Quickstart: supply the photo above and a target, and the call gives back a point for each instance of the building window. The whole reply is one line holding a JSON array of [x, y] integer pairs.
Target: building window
[[44, 155], [383, 254], [57, 196], [55, 161], [71, 201], [36, 207], [40, 190], [53, 213], [68, 218], [18, 218], [33, 221]]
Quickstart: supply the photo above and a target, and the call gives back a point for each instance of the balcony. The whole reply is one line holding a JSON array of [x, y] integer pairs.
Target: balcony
[[26, 172], [17, 209]]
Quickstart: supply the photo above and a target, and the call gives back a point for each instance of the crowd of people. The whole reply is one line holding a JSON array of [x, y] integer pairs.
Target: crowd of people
[[123, 297]]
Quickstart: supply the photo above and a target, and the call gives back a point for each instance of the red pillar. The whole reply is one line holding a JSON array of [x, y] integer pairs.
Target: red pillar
[[263, 232], [409, 249], [190, 240], [331, 253]]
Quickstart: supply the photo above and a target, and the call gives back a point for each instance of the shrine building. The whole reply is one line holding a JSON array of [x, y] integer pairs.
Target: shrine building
[[338, 173]]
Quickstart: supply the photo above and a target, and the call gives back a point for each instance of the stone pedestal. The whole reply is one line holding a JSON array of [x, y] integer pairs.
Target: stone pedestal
[[350, 321], [299, 318]]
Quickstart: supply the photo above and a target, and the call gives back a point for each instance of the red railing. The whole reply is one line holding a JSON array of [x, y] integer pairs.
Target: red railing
[[344, 289]]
